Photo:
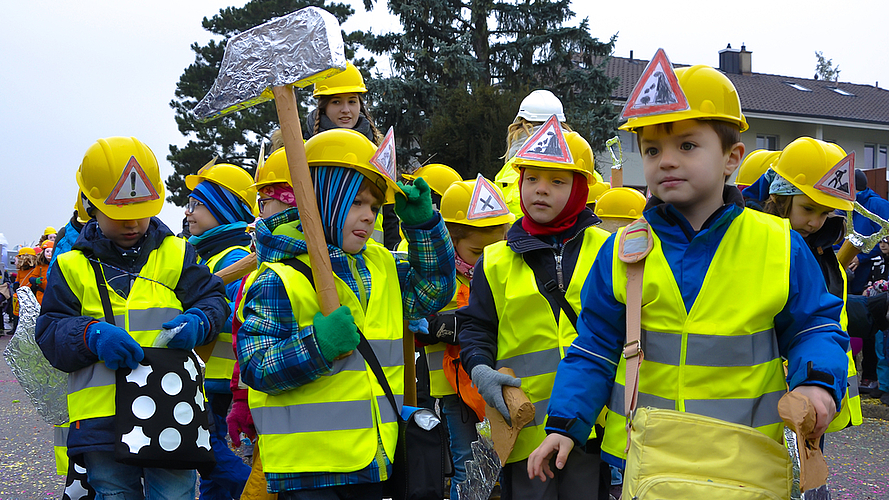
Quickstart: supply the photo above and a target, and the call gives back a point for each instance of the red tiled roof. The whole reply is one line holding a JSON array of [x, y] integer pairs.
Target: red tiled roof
[[763, 93]]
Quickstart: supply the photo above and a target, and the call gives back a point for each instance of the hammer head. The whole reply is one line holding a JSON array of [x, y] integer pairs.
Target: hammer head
[[298, 49]]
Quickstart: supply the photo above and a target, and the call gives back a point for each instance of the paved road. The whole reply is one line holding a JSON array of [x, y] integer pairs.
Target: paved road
[[858, 457]]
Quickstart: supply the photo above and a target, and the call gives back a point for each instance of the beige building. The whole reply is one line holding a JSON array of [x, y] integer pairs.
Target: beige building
[[779, 109]]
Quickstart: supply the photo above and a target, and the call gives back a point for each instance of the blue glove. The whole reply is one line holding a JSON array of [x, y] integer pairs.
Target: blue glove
[[194, 327], [419, 326], [114, 346], [490, 386]]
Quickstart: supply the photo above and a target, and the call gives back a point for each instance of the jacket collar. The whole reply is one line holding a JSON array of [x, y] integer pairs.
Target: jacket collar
[[666, 217]]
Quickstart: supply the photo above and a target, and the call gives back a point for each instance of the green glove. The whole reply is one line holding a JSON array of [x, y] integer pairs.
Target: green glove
[[336, 333], [416, 208]]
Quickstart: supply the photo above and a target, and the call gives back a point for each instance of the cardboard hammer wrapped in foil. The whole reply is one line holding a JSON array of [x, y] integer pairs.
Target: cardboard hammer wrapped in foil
[[46, 387]]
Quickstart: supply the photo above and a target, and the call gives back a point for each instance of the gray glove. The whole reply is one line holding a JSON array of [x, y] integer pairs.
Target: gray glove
[[490, 385]]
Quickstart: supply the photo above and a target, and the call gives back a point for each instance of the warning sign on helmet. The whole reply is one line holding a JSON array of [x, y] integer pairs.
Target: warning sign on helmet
[[132, 187], [657, 90], [840, 180], [384, 158], [486, 201], [547, 144]]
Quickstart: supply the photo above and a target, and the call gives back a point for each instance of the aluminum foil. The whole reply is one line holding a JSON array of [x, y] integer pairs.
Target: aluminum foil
[[617, 160], [483, 470], [46, 387], [298, 49], [866, 243], [820, 493]]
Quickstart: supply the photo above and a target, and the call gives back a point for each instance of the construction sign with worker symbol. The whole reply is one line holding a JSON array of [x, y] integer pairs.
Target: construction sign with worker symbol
[[657, 91], [486, 201], [132, 187], [384, 158], [840, 180], [547, 144]]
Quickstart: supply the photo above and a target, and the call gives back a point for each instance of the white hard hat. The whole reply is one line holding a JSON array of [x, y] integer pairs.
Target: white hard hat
[[539, 105]]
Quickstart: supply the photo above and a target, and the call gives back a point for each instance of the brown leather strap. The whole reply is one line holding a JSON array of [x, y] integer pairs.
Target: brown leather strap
[[633, 348]]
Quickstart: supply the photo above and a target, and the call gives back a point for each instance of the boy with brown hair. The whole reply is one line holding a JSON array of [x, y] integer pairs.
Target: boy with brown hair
[[727, 292]]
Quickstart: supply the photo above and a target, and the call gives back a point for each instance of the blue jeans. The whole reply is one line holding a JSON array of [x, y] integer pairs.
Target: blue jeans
[[882, 362], [461, 422], [116, 481]]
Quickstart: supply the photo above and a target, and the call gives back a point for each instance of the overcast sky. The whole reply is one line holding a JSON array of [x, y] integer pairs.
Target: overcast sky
[[72, 72]]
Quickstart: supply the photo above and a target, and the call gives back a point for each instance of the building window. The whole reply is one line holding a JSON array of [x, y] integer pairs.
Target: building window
[[869, 150], [798, 86], [882, 156], [769, 142], [840, 91], [627, 142]]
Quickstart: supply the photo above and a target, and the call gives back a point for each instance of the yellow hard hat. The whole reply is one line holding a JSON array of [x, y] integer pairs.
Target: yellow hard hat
[[622, 203], [344, 147], [121, 178], [273, 171], [596, 191], [231, 177], [805, 162], [581, 153], [455, 205], [27, 251], [49, 230], [437, 175], [82, 216], [345, 82], [754, 165], [710, 94]]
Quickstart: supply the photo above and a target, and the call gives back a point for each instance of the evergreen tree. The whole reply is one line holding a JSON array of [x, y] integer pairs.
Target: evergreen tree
[[235, 138], [453, 52]]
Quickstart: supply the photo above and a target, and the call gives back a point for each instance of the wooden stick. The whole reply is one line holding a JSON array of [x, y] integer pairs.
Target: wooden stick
[[310, 218], [617, 177], [521, 411], [238, 270], [846, 253]]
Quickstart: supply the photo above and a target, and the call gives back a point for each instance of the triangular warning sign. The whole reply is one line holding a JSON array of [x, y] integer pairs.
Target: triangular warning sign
[[840, 180], [547, 144], [657, 90], [486, 201], [384, 158], [132, 187]]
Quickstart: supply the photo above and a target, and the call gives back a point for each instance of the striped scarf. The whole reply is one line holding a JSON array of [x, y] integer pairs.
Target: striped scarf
[[224, 205], [335, 189]]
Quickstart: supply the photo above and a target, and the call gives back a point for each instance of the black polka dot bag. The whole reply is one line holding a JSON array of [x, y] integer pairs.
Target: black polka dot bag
[[161, 417]]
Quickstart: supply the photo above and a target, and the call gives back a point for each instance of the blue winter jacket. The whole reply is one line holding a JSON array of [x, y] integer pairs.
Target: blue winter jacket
[[808, 330], [60, 327]]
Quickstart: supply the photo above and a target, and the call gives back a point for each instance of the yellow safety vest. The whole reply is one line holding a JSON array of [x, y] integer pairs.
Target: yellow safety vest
[[221, 364], [529, 340], [60, 448], [850, 411], [721, 358], [508, 180], [332, 424], [438, 383], [150, 303]]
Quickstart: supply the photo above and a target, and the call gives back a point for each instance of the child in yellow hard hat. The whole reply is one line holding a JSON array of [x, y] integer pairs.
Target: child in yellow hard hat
[[302, 362], [126, 281], [525, 299], [705, 290]]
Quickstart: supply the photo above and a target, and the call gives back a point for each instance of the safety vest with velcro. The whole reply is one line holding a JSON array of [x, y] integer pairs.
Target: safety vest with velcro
[[221, 364], [720, 358], [332, 424], [438, 383], [151, 302], [529, 339]]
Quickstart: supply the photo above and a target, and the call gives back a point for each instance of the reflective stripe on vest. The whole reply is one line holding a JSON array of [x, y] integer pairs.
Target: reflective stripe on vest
[[528, 339], [850, 408], [438, 383], [60, 448], [221, 364], [719, 359], [334, 420], [150, 303]]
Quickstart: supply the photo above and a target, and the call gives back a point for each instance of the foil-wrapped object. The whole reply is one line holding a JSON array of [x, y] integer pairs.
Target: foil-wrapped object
[[298, 49], [617, 159], [866, 243], [820, 493], [46, 387], [484, 468]]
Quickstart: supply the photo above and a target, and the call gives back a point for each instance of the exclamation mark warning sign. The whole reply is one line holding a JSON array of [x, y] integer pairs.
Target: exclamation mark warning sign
[[132, 187]]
